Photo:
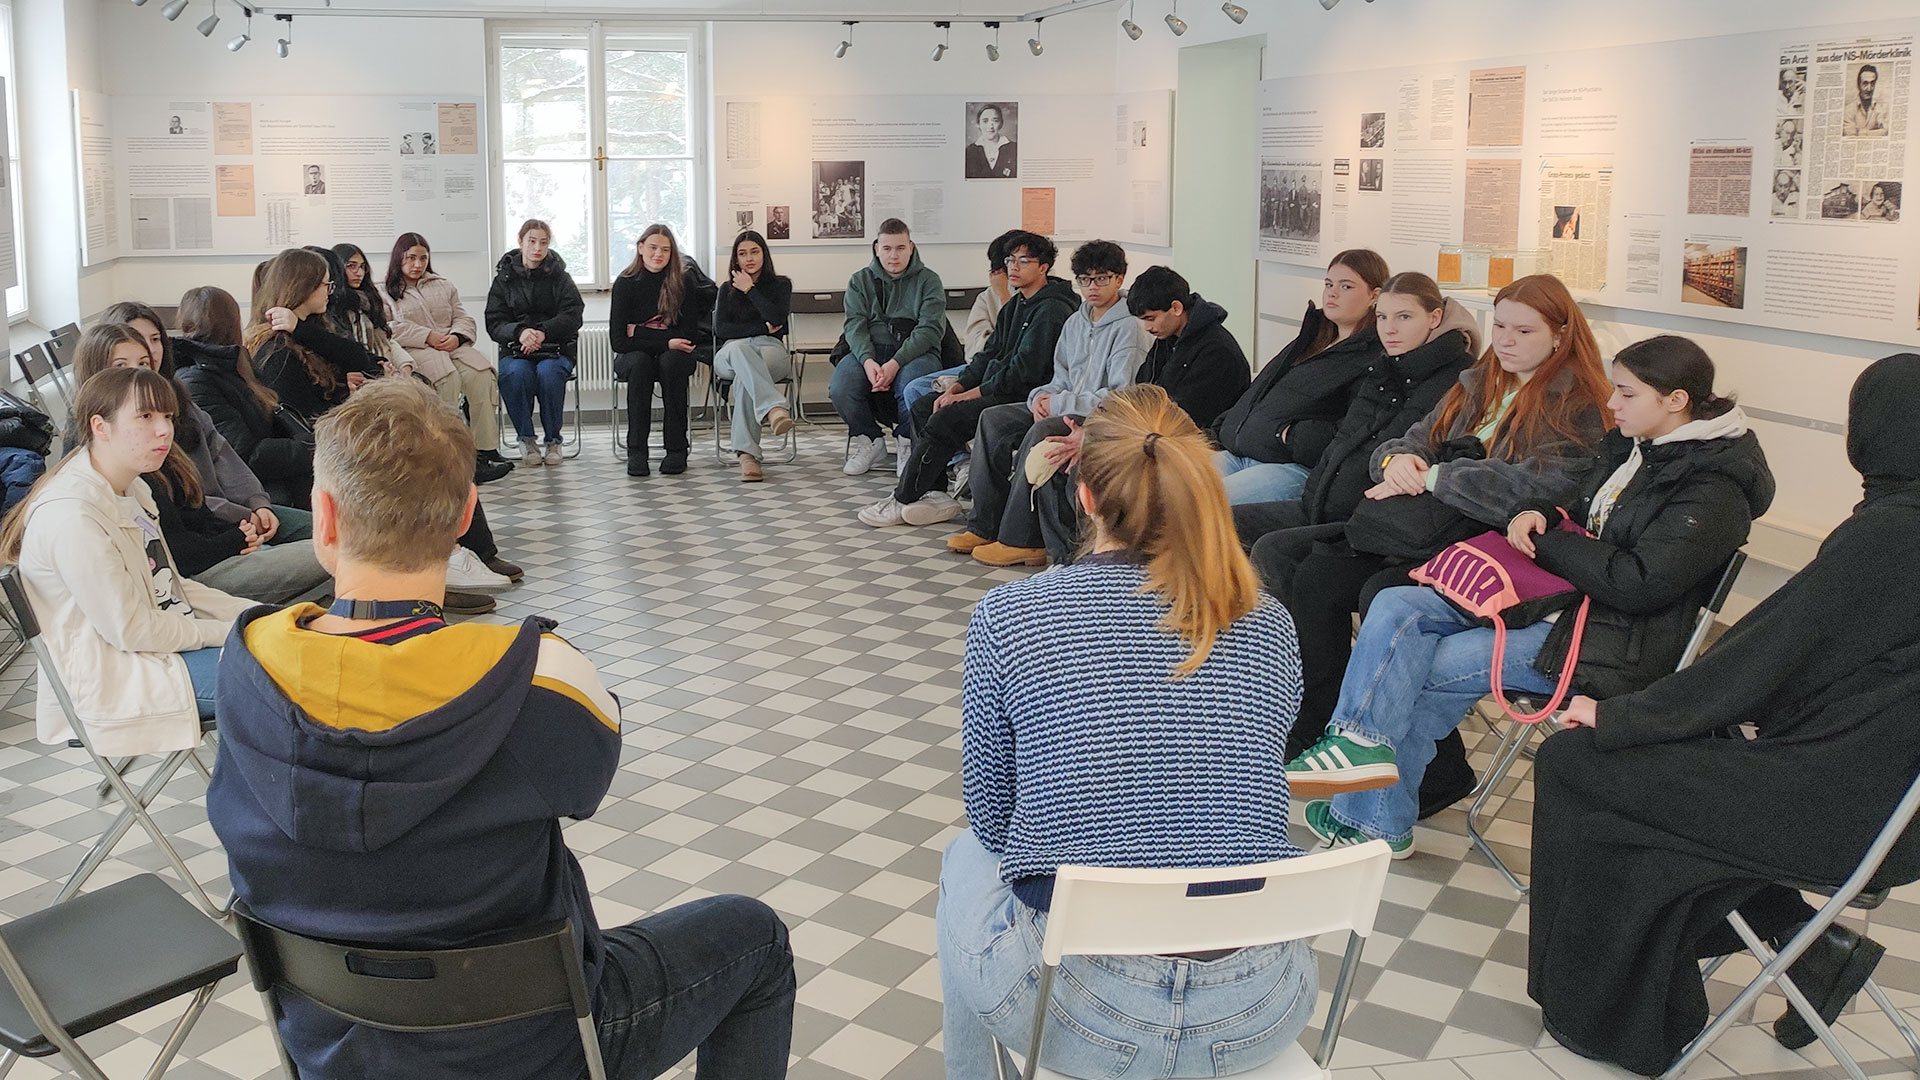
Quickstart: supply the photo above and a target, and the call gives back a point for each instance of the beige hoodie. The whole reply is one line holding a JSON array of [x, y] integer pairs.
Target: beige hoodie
[[433, 306]]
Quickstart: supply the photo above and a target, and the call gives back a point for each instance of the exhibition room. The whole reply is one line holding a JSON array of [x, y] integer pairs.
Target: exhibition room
[[912, 539]]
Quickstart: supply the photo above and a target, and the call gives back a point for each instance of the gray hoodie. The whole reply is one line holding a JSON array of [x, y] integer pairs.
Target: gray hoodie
[[1092, 359]]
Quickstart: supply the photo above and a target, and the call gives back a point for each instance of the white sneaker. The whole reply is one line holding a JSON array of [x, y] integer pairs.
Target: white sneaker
[[902, 446], [466, 573], [883, 513], [932, 509], [864, 454], [530, 453], [555, 453]]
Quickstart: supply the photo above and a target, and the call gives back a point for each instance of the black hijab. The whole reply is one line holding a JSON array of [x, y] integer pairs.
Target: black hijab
[[1883, 426]]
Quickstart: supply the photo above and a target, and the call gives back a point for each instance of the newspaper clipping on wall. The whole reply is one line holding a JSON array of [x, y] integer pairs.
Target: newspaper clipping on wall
[[1841, 130], [1576, 204]]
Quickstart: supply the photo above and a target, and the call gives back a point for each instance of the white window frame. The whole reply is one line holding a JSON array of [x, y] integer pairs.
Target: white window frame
[[607, 263], [12, 105]]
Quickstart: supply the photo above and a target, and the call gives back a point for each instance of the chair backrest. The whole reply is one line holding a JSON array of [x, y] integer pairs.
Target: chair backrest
[[529, 972], [1112, 912], [1711, 609], [962, 299], [827, 302], [24, 619]]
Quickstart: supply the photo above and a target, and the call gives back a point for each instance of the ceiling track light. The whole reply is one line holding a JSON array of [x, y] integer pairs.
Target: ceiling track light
[[1127, 24], [1179, 25], [1033, 43], [139, 3], [1234, 11], [940, 50], [993, 47], [173, 9], [1327, 5], [840, 50], [285, 44], [207, 24], [238, 42]]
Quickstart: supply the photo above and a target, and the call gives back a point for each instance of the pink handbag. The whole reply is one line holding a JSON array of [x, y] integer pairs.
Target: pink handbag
[[1488, 579]]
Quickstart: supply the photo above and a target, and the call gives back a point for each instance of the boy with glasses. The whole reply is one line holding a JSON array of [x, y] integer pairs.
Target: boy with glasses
[[1098, 350]]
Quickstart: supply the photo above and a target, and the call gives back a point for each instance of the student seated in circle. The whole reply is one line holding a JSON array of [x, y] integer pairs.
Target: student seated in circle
[[661, 329], [1671, 495], [1276, 431], [534, 311], [1155, 665], [137, 644], [748, 320]]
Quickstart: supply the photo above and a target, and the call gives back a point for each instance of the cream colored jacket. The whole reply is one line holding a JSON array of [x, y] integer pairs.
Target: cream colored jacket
[[84, 563], [429, 307]]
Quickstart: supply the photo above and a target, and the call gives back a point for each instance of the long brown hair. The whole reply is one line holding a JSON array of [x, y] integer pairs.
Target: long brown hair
[[673, 282], [210, 314], [94, 357], [1537, 410], [1156, 493], [187, 436], [285, 281], [1372, 269], [103, 395]]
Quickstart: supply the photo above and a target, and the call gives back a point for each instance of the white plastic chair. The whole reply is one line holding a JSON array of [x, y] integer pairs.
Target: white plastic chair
[[1107, 912]]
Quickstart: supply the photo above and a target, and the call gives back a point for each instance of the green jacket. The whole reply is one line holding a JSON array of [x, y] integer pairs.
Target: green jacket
[[916, 295], [1019, 355]]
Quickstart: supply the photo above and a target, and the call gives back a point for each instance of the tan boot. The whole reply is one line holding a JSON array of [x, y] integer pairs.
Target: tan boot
[[750, 469], [997, 554], [780, 421], [966, 542]]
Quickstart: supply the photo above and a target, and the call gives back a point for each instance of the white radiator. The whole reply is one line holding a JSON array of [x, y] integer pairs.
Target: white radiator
[[595, 362]]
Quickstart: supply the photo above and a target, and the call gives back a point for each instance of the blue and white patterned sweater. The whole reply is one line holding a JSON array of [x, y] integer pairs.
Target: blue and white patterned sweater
[[1079, 748]]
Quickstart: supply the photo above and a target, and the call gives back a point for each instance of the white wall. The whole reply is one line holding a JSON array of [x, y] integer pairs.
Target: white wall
[[141, 53], [1802, 375]]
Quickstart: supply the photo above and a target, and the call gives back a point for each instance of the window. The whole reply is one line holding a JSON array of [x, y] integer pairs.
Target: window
[[16, 296], [595, 128]]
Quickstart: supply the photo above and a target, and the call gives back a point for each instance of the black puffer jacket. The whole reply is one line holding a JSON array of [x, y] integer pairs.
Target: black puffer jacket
[[1659, 555], [212, 376], [284, 370], [544, 298], [1202, 370], [1393, 395], [1290, 412]]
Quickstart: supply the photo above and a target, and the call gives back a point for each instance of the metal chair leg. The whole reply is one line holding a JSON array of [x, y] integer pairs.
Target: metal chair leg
[[1899, 1019], [1515, 739]]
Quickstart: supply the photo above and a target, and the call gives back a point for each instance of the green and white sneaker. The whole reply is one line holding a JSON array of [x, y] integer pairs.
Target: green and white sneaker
[[1337, 765], [1319, 815]]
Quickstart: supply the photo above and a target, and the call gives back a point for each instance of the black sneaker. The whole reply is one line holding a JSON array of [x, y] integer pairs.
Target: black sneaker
[[486, 472], [460, 603], [1832, 970], [637, 464], [673, 463]]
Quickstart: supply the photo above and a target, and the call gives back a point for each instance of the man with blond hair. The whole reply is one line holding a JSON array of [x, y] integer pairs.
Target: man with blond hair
[[387, 778]]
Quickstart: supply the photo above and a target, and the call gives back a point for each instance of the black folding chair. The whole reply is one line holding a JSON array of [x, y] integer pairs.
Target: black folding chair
[[526, 973], [135, 802], [97, 959], [1854, 892], [1518, 735]]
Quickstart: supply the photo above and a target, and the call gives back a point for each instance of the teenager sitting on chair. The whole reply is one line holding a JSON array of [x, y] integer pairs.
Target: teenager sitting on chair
[[390, 779], [1648, 830], [1670, 497], [1127, 711], [138, 643], [749, 318]]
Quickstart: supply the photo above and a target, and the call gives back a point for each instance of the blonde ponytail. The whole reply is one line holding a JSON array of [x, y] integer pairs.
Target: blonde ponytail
[[1156, 494]]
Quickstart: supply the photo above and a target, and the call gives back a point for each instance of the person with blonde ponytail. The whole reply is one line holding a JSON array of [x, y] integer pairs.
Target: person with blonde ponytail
[[112, 604], [1150, 663]]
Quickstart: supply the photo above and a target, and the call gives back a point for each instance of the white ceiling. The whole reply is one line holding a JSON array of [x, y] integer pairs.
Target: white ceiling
[[729, 10]]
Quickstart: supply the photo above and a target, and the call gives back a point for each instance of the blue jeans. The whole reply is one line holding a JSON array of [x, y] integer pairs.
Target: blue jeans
[[295, 524], [854, 397], [523, 380], [917, 389], [716, 974], [203, 670], [1126, 1016], [1418, 665], [1251, 481]]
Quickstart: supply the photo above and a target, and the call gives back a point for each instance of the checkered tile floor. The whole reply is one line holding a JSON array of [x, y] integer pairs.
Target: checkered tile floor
[[790, 679]]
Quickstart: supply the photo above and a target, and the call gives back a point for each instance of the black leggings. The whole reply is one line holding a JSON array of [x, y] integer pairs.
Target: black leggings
[[479, 538], [673, 370]]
